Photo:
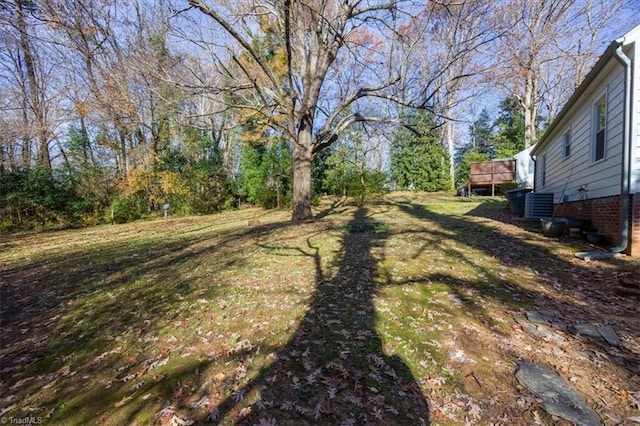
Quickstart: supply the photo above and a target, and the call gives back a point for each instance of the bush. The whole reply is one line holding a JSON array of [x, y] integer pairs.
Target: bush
[[123, 210], [33, 198], [267, 174]]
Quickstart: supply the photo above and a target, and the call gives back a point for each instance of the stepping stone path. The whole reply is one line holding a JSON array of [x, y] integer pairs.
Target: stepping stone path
[[555, 395], [535, 324], [533, 318], [543, 333], [606, 332], [586, 330], [609, 335]]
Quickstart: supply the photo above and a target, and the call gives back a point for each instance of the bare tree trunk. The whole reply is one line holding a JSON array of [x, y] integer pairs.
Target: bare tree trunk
[[448, 138], [302, 156], [86, 148], [530, 110], [2, 158], [124, 166], [37, 107], [63, 153], [26, 139]]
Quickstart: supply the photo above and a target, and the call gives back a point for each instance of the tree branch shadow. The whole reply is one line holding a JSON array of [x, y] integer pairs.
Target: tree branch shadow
[[563, 291], [333, 370]]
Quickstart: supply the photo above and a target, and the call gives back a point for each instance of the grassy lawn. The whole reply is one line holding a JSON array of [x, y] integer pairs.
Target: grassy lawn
[[403, 311]]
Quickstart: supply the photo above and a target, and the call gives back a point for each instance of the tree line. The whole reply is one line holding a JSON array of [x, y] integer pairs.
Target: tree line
[[113, 108]]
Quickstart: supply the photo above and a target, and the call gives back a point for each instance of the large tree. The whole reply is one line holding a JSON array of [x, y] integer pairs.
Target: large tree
[[26, 85], [510, 129], [455, 55], [278, 62], [419, 158], [481, 132], [305, 68], [549, 46]]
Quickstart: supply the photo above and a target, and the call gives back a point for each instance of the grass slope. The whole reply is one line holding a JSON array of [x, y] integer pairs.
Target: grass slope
[[404, 311]]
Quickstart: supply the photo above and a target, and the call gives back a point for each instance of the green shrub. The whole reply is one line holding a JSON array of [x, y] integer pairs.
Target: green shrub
[[123, 210]]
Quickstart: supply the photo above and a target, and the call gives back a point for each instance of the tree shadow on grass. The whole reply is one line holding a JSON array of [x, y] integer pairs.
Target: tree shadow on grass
[[566, 292], [64, 312], [333, 369]]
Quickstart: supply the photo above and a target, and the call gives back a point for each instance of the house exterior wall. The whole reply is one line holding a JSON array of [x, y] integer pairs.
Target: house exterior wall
[[577, 180], [635, 120], [635, 226], [565, 177], [604, 216]]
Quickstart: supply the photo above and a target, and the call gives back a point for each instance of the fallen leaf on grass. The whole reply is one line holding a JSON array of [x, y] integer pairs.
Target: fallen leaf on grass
[[377, 413], [239, 395], [437, 381], [474, 411], [167, 410], [6, 410], [123, 401], [202, 402], [317, 411], [64, 371], [177, 421], [244, 413], [392, 410], [286, 405]]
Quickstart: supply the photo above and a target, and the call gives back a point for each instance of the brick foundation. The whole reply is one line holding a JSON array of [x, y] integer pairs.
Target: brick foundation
[[635, 225], [603, 215]]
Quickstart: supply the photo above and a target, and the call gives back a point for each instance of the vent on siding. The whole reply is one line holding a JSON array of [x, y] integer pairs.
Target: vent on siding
[[538, 205]]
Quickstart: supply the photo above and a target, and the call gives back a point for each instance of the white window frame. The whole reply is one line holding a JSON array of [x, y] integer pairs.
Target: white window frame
[[599, 129], [566, 144]]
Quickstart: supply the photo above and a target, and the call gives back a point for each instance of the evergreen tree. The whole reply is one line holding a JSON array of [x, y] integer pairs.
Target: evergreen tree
[[266, 178], [481, 132], [464, 157], [319, 172], [347, 170], [419, 159], [482, 146], [510, 129]]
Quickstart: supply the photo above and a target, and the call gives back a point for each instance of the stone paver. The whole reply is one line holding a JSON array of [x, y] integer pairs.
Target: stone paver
[[587, 330], [609, 334], [537, 317], [555, 395]]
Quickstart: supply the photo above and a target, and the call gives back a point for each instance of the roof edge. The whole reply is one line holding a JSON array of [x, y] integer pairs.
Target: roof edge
[[599, 66]]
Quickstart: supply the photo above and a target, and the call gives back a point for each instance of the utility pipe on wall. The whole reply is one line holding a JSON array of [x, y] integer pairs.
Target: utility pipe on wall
[[623, 227]]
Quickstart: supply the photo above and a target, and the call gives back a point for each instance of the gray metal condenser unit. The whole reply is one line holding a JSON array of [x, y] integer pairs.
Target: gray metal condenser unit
[[538, 205]]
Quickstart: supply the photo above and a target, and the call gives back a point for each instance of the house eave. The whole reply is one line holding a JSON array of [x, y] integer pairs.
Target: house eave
[[606, 57]]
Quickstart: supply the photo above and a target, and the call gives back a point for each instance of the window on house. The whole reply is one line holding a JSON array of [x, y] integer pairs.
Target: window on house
[[600, 129], [543, 166], [567, 144]]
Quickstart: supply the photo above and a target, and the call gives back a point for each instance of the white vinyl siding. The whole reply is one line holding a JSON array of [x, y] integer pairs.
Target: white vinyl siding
[[565, 175], [635, 120]]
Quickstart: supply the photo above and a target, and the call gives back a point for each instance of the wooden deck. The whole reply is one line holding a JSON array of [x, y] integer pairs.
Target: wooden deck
[[491, 173]]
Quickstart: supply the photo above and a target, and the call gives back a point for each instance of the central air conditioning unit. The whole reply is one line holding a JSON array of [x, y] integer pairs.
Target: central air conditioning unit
[[538, 205]]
